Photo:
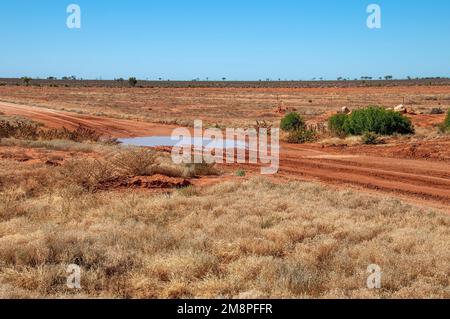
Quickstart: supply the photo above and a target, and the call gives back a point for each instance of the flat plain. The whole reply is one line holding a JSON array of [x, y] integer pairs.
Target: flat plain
[[140, 226]]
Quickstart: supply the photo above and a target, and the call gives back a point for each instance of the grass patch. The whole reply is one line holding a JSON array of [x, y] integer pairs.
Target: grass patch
[[247, 238]]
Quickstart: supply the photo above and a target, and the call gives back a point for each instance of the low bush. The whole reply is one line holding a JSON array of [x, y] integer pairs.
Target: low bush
[[136, 162], [301, 136], [80, 134], [240, 172], [377, 120], [370, 138], [292, 122], [336, 125], [372, 119], [19, 128], [445, 127], [436, 110], [87, 173]]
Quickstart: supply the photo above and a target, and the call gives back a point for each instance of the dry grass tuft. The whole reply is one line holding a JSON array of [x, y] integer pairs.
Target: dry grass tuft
[[136, 161]]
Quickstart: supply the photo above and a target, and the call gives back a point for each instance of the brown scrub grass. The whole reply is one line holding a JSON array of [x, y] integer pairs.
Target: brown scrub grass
[[248, 239]]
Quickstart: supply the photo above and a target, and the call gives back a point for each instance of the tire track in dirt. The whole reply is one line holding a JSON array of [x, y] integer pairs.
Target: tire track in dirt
[[103, 125], [418, 184], [376, 173]]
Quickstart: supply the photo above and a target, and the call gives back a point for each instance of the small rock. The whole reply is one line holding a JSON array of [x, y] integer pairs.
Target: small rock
[[411, 111], [437, 110], [345, 110], [400, 108], [52, 163]]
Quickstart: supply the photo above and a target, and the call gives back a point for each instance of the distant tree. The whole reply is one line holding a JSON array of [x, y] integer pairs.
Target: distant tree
[[160, 79], [388, 77], [132, 81], [224, 78], [52, 78], [26, 80]]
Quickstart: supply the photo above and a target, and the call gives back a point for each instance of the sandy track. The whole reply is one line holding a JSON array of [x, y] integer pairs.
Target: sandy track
[[423, 181]]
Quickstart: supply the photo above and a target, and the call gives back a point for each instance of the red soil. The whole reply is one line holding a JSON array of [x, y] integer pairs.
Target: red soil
[[396, 170]]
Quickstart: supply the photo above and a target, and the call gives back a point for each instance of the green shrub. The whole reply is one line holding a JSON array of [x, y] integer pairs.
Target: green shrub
[[377, 120], [370, 138], [240, 172], [336, 124], [445, 127], [301, 136], [292, 122]]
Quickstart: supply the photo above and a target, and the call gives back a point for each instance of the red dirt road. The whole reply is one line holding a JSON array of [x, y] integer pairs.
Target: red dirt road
[[421, 181], [108, 126]]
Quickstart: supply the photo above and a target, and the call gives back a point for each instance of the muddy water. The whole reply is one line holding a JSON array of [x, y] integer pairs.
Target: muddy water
[[153, 141]]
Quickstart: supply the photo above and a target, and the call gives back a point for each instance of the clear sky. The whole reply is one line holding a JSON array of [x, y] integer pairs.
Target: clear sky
[[236, 39]]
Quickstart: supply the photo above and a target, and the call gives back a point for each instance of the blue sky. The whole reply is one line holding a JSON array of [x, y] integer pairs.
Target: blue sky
[[236, 39]]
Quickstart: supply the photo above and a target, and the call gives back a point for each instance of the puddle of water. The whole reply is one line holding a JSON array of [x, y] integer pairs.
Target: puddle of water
[[154, 141]]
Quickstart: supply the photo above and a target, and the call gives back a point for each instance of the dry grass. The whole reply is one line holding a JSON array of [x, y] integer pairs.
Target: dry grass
[[136, 161], [25, 129], [248, 239], [336, 141]]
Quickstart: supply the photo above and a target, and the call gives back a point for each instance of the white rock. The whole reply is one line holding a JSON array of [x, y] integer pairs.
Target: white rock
[[400, 108]]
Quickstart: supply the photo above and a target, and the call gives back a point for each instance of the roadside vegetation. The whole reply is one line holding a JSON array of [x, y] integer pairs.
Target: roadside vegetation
[[370, 123], [297, 130], [373, 119], [20, 128], [445, 127]]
